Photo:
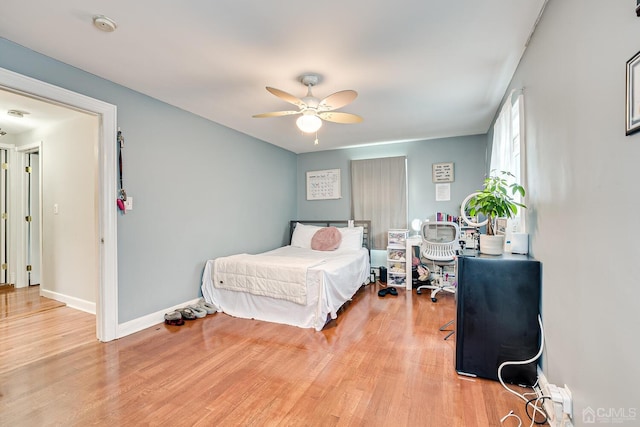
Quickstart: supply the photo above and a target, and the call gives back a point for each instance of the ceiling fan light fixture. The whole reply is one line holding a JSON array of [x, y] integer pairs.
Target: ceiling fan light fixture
[[309, 123]]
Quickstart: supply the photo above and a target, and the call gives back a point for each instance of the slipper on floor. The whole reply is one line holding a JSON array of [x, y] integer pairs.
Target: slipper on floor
[[385, 291], [174, 318], [210, 308], [187, 313], [174, 322], [198, 311]]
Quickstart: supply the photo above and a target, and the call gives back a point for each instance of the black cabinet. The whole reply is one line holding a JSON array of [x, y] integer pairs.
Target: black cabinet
[[498, 302]]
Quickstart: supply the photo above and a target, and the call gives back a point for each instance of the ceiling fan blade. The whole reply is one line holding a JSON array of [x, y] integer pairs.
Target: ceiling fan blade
[[275, 114], [286, 97], [337, 100], [338, 117]]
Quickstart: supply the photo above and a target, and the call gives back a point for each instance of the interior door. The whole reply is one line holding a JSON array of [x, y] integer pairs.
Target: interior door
[[4, 195], [33, 212]]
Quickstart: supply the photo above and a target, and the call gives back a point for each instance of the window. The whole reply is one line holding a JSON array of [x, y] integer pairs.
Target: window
[[507, 150], [379, 194]]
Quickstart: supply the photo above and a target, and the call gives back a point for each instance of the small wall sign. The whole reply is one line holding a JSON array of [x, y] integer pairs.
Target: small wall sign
[[442, 172]]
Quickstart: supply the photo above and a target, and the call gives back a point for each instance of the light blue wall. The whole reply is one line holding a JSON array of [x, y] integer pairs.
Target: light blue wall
[[466, 152], [200, 190], [583, 198]]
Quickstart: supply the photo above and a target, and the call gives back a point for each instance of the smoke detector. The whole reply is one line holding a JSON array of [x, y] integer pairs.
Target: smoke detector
[[105, 24]]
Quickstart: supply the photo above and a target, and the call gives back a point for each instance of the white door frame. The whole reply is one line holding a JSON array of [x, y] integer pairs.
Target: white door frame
[[107, 297]]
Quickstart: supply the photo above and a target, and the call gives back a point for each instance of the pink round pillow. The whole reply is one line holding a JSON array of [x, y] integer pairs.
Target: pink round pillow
[[326, 239]]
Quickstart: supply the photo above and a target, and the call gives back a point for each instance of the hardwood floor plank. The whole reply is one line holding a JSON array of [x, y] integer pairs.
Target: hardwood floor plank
[[20, 302], [382, 362]]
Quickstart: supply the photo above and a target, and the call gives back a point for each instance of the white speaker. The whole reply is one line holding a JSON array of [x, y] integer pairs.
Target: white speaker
[[520, 243]]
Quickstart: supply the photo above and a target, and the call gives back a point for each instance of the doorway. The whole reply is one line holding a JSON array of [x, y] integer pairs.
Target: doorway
[[106, 300]]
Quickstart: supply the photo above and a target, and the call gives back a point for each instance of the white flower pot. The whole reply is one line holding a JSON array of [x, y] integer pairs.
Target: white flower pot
[[491, 245]]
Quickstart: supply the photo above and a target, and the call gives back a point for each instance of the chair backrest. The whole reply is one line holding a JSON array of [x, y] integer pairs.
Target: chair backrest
[[440, 240]]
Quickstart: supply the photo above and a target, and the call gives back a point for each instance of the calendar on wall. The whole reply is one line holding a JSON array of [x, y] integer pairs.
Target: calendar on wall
[[324, 184]]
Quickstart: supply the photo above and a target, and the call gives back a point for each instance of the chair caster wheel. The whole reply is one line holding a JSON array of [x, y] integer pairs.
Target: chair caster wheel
[[418, 291], [434, 299]]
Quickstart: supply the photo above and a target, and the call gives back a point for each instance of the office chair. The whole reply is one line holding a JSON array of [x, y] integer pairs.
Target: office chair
[[440, 243]]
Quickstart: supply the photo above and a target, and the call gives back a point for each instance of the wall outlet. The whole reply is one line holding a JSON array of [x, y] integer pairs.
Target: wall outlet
[[559, 402], [128, 204], [541, 389]]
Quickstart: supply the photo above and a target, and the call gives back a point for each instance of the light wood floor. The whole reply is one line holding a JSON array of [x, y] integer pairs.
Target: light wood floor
[[20, 302], [382, 363]]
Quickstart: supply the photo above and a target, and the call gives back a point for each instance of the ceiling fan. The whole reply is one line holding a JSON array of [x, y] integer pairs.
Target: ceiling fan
[[313, 110]]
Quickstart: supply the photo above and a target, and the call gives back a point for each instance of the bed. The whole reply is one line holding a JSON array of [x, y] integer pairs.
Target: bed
[[294, 284]]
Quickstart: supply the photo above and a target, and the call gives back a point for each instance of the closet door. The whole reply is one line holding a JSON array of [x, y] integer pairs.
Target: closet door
[[4, 211], [33, 213]]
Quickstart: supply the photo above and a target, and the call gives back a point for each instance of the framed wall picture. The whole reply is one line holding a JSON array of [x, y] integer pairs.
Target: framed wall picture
[[633, 95], [442, 172], [323, 184]]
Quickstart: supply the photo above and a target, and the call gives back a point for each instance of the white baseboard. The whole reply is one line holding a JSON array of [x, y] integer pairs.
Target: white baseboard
[[73, 302], [144, 322]]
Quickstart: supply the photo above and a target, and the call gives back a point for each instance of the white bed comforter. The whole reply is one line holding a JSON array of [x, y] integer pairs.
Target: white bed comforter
[[331, 281], [271, 276]]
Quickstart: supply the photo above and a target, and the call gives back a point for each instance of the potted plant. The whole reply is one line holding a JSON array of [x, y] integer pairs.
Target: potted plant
[[495, 201]]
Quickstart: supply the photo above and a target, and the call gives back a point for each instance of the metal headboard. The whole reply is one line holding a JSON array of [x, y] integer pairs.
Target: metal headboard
[[365, 224]]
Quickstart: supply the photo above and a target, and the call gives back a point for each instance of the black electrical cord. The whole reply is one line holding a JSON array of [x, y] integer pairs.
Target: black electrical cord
[[541, 409]]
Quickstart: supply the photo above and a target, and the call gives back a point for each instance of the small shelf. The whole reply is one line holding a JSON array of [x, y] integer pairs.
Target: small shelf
[[397, 258]]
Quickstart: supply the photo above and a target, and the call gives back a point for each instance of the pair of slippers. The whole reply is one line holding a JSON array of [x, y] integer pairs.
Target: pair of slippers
[[391, 291], [191, 312]]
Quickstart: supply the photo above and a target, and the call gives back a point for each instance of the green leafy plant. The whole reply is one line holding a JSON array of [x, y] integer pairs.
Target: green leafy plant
[[496, 199]]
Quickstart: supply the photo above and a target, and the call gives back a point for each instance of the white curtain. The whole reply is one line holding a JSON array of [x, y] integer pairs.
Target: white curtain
[[507, 150], [501, 159], [379, 194]]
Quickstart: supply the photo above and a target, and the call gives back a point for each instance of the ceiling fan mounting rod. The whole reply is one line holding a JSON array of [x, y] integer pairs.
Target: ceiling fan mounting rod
[[310, 79]]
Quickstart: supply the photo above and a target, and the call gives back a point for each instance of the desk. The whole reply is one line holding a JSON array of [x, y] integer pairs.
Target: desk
[[497, 307]]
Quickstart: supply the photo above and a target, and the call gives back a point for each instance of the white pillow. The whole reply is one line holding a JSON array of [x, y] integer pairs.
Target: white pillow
[[351, 238], [303, 234]]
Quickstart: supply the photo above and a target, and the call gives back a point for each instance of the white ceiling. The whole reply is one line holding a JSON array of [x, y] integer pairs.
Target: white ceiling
[[422, 68]]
